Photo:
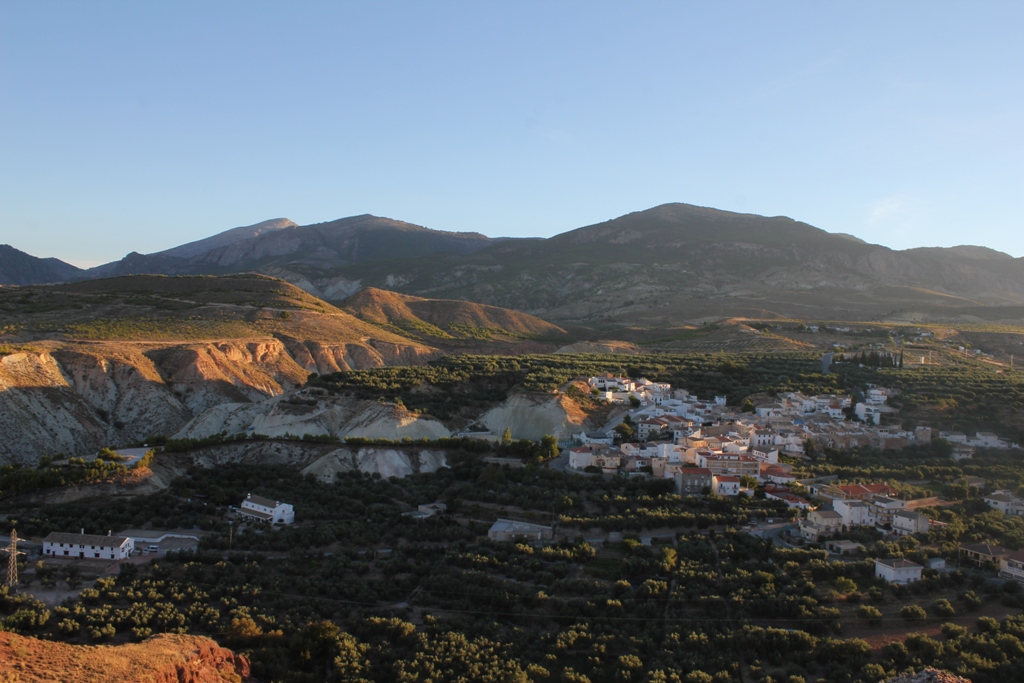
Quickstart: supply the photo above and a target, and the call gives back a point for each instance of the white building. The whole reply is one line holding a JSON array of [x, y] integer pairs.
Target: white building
[[820, 523], [906, 522], [1005, 502], [876, 396], [87, 546], [854, 512], [1012, 566], [594, 438], [898, 571], [726, 485], [580, 458], [769, 454], [871, 413], [265, 510]]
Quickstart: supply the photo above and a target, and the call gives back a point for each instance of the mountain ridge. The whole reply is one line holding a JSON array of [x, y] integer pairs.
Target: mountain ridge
[[668, 264], [20, 268]]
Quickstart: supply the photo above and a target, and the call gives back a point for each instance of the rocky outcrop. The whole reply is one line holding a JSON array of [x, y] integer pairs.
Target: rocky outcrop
[[40, 413], [161, 659], [531, 416], [314, 416], [324, 358], [205, 375], [388, 462], [125, 389], [75, 398]]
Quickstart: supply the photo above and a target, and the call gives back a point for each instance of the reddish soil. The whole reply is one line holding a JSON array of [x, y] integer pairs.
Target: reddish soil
[[161, 659]]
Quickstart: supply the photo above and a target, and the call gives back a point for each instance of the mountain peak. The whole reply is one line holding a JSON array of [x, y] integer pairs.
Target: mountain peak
[[19, 268], [226, 238]]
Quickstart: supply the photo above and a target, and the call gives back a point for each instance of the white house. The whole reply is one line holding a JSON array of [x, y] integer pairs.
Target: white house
[[265, 510], [670, 452], [580, 458], [820, 523], [989, 440], [876, 396], [854, 512], [871, 413], [594, 438], [906, 522], [769, 454], [726, 485], [882, 509], [87, 546], [1012, 566], [1005, 502], [898, 571], [762, 437]]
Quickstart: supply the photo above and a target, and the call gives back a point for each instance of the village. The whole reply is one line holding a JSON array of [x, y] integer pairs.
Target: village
[[710, 449], [708, 444], [707, 449]]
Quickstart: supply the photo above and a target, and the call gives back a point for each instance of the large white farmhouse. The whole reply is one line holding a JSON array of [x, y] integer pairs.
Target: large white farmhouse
[[87, 546], [265, 510]]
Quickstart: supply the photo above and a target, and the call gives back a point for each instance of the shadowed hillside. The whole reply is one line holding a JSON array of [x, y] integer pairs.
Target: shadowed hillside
[[19, 268], [671, 265], [445, 319]]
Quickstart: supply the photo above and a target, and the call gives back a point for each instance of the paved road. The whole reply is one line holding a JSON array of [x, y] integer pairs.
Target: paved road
[[772, 531], [561, 462]]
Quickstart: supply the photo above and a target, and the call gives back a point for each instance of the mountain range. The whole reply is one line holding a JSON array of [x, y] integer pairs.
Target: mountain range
[[671, 264]]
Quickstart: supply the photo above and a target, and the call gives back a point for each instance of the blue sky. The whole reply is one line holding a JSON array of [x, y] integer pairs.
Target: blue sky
[[140, 126]]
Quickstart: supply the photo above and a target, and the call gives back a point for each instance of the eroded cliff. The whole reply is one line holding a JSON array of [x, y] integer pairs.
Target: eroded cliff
[[75, 398]]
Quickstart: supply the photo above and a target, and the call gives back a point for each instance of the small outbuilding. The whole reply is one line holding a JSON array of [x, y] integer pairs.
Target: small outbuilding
[[844, 547]]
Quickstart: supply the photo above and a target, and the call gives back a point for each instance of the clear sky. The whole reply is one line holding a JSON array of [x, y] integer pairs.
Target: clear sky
[[137, 126]]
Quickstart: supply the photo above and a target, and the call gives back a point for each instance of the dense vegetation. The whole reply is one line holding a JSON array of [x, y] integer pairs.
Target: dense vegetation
[[17, 478], [962, 394], [358, 590]]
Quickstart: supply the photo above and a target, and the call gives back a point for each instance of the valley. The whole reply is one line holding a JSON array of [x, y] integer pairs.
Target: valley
[[409, 392]]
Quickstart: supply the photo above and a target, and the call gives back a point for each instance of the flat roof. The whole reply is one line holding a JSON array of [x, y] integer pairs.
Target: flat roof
[[899, 563]]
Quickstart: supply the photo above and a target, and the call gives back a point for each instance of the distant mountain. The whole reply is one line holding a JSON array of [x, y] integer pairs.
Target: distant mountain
[[19, 268], [227, 238], [677, 263], [441, 320], [309, 249], [671, 264]]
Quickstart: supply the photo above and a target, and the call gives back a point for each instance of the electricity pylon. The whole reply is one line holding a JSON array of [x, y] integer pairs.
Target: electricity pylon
[[12, 560]]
